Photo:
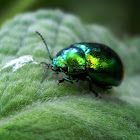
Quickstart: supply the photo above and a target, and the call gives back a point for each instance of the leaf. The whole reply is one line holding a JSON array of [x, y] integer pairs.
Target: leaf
[[34, 109]]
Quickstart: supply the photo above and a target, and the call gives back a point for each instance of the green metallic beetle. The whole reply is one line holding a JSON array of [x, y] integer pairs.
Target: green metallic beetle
[[94, 62]]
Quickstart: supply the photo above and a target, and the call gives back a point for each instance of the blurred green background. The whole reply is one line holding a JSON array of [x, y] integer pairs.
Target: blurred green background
[[121, 16]]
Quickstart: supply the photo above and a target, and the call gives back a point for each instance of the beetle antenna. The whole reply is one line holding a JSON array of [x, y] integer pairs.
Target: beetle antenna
[[45, 44]]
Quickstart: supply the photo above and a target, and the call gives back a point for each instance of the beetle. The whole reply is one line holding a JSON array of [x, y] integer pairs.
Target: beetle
[[94, 62]]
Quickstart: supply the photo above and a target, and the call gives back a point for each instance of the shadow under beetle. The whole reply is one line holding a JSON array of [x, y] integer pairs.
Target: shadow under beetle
[[94, 62]]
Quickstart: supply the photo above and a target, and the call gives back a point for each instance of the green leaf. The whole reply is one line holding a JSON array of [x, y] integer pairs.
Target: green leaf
[[34, 109]]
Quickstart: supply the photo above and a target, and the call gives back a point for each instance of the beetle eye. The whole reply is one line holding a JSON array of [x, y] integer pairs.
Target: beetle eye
[[65, 69]]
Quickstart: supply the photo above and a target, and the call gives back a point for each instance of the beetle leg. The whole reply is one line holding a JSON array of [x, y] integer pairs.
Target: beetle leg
[[91, 89], [96, 94], [46, 66], [44, 75], [67, 79]]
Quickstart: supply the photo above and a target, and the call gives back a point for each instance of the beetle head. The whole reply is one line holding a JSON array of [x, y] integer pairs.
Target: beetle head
[[59, 64]]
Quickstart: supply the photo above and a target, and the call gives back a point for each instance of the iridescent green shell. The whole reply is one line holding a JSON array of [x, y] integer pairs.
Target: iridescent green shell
[[103, 65], [97, 61]]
